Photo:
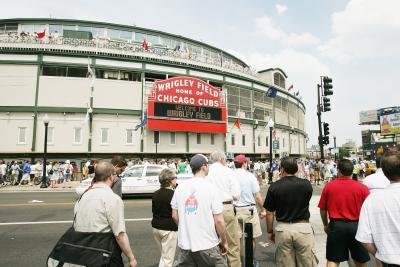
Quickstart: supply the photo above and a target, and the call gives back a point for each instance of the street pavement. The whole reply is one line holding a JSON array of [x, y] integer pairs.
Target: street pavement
[[33, 219]]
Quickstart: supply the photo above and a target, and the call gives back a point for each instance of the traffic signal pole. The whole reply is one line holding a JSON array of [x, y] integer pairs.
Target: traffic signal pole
[[319, 110]]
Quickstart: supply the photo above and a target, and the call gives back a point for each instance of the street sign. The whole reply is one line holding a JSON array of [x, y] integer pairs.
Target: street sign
[[229, 155], [275, 144]]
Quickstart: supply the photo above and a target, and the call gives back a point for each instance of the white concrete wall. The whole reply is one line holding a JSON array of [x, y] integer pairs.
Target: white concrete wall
[[117, 126], [9, 124], [64, 92], [17, 85], [165, 146], [116, 94], [238, 147]]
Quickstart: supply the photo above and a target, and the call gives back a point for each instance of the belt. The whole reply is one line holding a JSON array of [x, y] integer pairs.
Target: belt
[[251, 205], [227, 202], [342, 220], [296, 221], [390, 265]]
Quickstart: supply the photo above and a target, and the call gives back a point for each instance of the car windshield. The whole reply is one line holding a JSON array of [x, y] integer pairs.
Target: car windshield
[[134, 172], [153, 171]]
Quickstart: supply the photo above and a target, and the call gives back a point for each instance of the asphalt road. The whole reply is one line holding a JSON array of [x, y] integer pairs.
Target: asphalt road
[[29, 229]]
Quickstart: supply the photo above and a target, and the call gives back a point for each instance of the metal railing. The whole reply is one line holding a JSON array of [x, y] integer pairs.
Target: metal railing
[[124, 49]]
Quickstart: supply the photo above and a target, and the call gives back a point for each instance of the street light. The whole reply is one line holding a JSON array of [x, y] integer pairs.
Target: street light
[[271, 127], [46, 121]]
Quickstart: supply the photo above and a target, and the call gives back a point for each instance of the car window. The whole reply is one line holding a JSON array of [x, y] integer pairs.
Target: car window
[[153, 171], [134, 172]]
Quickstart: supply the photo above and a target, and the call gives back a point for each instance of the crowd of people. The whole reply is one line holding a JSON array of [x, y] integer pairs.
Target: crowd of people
[[200, 221], [27, 172]]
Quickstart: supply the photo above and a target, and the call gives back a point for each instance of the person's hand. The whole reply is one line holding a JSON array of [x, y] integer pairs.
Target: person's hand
[[262, 214], [326, 228], [132, 262], [224, 248], [271, 236]]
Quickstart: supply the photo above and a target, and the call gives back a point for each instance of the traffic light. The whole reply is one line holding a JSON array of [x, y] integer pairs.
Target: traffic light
[[326, 128], [327, 86], [326, 104], [325, 140]]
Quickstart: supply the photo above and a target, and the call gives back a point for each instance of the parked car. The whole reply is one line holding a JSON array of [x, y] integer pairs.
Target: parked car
[[138, 179]]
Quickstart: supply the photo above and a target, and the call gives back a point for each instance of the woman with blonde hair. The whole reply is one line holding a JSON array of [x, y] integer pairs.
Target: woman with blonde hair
[[164, 228]]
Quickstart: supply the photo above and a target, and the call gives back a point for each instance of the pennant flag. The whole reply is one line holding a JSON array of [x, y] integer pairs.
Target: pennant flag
[[142, 123], [145, 45], [237, 123], [271, 92], [297, 93], [273, 134], [290, 87], [41, 35]]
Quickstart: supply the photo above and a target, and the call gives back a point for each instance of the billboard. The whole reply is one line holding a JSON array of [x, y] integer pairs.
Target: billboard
[[390, 124], [186, 104], [369, 117]]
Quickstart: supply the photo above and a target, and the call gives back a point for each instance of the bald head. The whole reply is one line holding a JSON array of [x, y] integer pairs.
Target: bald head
[[103, 171]]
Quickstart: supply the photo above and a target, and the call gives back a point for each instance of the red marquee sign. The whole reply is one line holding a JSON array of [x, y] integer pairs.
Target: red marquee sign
[[186, 104]]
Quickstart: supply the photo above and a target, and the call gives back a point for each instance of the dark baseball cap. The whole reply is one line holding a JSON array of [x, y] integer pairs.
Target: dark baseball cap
[[197, 161]]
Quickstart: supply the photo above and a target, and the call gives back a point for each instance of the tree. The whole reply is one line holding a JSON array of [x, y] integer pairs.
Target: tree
[[343, 152]]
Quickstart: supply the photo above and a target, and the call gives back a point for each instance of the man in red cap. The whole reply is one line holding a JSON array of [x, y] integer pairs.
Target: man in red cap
[[246, 210]]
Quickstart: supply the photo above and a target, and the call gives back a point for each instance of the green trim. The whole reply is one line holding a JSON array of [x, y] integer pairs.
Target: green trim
[[143, 77], [171, 64], [69, 110], [35, 115]]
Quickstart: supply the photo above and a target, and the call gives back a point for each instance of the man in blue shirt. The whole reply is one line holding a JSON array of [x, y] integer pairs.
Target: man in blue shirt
[[26, 170]]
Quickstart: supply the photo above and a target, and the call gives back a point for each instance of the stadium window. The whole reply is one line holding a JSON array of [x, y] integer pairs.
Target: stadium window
[[259, 140], [232, 139], [104, 136], [199, 138], [266, 141], [77, 72], [129, 136], [152, 77], [212, 139], [54, 71], [21, 135], [283, 142], [50, 135], [173, 138], [243, 140], [77, 135], [279, 80], [156, 137], [139, 37]]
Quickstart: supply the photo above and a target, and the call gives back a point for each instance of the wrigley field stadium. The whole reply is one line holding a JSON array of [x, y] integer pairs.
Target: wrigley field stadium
[[109, 89]]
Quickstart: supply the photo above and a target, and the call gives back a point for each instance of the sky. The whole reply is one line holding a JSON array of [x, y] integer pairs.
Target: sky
[[355, 42]]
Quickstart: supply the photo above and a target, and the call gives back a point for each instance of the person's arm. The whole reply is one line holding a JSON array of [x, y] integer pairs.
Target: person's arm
[[370, 247], [175, 216], [260, 204], [221, 230], [324, 218], [123, 242], [270, 225]]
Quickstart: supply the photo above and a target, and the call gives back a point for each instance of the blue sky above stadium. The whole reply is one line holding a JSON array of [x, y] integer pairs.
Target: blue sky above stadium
[[353, 41]]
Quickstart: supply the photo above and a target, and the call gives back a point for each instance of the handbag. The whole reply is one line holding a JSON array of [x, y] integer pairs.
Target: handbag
[[86, 249]]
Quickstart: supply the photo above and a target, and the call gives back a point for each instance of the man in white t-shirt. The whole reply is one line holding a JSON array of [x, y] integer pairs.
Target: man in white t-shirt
[[197, 210], [377, 181], [378, 227]]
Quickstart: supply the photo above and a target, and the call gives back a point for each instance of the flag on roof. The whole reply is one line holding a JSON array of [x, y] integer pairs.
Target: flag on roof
[[297, 93], [290, 87], [237, 123], [145, 45], [271, 92], [142, 122], [41, 35]]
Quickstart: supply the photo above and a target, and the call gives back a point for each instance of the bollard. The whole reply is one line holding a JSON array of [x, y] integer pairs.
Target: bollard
[[248, 245]]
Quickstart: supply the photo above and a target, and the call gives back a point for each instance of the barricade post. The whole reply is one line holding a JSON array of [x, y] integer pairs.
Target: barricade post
[[248, 244]]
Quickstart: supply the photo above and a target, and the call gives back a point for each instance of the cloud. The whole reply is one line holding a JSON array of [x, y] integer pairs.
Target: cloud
[[265, 26], [365, 29], [280, 8]]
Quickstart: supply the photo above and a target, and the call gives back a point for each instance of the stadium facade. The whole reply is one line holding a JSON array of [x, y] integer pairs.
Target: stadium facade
[[45, 67]]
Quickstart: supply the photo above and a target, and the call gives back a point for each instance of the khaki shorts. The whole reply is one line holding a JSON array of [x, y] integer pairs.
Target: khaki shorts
[[244, 216]]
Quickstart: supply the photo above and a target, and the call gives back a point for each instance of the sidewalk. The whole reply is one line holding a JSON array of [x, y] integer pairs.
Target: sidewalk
[[36, 188]]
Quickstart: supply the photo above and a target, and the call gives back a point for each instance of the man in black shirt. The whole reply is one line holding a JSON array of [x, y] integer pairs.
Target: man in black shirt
[[288, 200]]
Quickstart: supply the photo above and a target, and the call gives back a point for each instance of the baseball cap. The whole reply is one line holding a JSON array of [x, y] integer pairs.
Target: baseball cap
[[197, 161], [241, 159]]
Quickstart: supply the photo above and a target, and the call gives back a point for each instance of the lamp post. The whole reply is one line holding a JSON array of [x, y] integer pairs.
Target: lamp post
[[46, 121], [271, 127]]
